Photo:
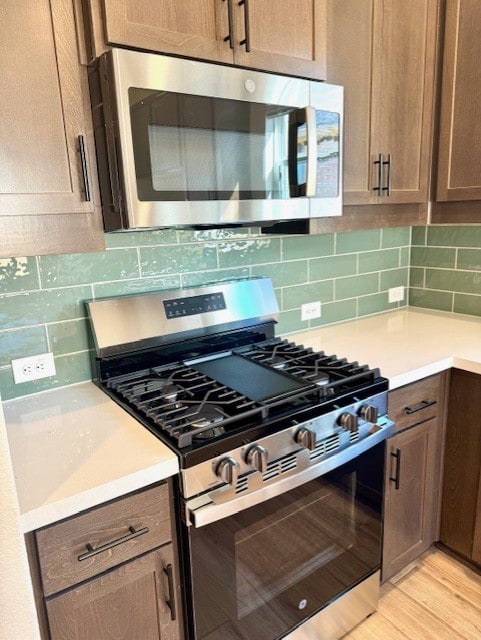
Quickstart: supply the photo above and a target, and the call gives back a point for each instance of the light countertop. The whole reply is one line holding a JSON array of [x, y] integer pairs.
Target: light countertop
[[407, 345], [73, 448]]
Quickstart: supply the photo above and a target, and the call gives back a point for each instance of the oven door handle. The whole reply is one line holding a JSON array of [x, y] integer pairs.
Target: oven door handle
[[202, 511]]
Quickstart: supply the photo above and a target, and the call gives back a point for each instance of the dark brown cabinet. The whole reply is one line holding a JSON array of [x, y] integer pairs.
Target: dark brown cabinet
[[383, 52], [47, 157], [459, 153], [286, 39], [459, 169], [110, 572], [132, 601], [461, 500], [412, 479]]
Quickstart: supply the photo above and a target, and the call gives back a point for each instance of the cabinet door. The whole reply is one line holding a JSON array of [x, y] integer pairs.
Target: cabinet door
[[383, 51], [402, 110], [462, 466], [44, 106], [286, 38], [351, 26], [131, 602], [195, 28], [459, 161], [409, 507]]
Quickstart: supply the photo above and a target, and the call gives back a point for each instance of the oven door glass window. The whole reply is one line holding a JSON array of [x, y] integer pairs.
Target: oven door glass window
[[189, 147], [260, 573]]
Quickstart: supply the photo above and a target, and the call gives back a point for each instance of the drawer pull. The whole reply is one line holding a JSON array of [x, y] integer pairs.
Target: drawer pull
[[134, 533], [397, 475], [83, 162], [169, 572], [422, 405]]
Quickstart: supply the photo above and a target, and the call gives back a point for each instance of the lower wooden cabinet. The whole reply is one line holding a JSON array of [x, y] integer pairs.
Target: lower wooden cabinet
[[110, 572], [412, 480], [133, 601], [461, 501]]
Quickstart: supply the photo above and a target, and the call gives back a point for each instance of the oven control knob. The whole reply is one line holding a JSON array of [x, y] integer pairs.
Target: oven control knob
[[256, 457], [348, 421], [368, 412], [228, 470], [306, 438]]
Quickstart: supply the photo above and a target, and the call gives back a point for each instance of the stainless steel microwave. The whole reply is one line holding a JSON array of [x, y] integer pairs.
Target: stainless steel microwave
[[183, 143]]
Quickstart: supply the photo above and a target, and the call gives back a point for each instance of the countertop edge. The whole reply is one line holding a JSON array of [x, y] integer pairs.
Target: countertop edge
[[414, 375], [45, 515]]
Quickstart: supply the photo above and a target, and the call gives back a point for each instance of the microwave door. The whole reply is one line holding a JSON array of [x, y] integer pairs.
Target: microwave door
[[302, 152]]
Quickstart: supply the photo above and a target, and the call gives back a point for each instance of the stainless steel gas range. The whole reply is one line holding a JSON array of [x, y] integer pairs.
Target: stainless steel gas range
[[281, 453]]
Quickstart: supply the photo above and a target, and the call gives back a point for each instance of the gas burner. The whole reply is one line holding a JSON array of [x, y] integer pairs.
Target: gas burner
[[321, 379], [277, 362], [170, 392], [206, 416]]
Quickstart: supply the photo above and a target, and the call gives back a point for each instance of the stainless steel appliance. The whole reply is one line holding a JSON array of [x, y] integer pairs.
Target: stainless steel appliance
[[281, 451], [189, 143]]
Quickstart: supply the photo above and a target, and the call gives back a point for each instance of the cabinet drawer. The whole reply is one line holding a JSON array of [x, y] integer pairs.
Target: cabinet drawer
[[415, 402], [98, 539]]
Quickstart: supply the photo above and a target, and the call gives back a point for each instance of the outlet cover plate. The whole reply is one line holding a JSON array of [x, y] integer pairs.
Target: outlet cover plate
[[33, 368], [311, 310], [396, 294]]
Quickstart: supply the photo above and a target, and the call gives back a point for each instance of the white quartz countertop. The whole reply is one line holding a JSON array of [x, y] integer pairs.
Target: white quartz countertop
[[407, 345], [73, 448]]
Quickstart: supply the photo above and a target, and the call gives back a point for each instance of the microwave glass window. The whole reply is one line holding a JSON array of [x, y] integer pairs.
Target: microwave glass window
[[189, 147]]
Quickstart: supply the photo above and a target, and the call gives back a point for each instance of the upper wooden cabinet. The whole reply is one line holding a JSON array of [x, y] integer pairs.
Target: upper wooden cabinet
[[46, 149], [459, 159], [287, 39], [383, 52]]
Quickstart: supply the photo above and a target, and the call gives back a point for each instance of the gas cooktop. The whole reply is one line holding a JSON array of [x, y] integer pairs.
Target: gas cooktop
[[202, 368]]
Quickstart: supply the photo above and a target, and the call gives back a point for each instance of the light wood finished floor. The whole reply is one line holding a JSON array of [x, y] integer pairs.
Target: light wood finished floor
[[435, 598]]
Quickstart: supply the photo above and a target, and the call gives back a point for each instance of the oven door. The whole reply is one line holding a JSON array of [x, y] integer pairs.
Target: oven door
[[258, 574]]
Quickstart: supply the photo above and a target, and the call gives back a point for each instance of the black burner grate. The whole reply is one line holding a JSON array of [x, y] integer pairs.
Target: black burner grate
[[188, 405], [197, 403], [333, 374]]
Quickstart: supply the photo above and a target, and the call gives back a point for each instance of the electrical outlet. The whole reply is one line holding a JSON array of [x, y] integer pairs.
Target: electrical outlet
[[396, 294], [311, 310], [33, 368]]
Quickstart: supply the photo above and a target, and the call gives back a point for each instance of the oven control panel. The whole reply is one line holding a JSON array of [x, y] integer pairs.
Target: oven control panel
[[301, 445], [178, 307]]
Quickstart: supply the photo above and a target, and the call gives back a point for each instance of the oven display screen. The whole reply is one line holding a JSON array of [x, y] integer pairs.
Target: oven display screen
[[178, 307]]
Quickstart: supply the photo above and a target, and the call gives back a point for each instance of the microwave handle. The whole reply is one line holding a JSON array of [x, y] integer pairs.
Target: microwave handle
[[299, 117]]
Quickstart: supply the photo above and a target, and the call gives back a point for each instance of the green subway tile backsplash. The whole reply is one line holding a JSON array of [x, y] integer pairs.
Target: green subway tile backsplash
[[42, 299], [446, 268], [469, 259], [454, 236]]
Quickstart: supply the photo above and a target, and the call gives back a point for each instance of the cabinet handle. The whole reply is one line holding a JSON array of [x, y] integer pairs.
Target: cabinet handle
[[246, 41], [397, 475], [379, 162], [134, 533], [229, 37], [420, 406], [83, 162], [388, 163], [169, 572]]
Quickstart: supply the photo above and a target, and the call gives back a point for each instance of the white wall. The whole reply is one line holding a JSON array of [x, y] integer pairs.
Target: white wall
[[18, 619]]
